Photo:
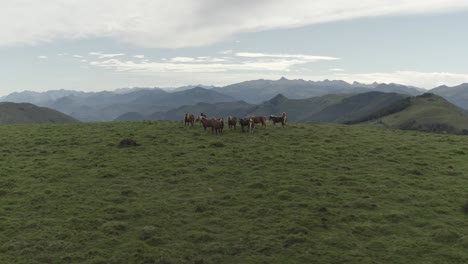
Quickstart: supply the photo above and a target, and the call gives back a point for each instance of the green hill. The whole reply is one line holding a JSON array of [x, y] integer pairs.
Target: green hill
[[25, 113], [298, 110], [356, 107], [429, 113], [308, 193]]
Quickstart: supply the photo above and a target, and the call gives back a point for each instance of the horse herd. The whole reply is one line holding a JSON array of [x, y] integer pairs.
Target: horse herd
[[217, 124]]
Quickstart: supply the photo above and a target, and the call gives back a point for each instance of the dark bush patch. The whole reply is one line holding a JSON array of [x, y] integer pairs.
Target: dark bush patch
[[128, 142], [465, 208], [217, 144], [294, 239], [444, 235], [257, 185], [284, 195]]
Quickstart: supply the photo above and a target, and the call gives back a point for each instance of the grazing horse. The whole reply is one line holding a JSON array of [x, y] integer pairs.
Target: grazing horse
[[259, 119], [189, 119], [247, 122], [232, 122], [279, 119]]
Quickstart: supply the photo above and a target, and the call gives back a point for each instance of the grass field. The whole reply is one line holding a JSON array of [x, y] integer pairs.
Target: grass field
[[305, 194]]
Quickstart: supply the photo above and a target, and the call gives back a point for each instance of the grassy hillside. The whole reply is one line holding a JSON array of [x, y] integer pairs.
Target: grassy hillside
[[429, 113], [298, 110], [304, 194], [355, 107], [25, 113]]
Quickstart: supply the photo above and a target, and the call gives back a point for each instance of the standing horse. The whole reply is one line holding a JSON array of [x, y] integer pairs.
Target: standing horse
[[189, 119], [279, 119], [247, 122], [206, 122], [259, 119], [232, 122], [217, 126]]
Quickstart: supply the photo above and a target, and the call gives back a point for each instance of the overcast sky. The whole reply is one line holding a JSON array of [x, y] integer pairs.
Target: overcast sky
[[107, 44]]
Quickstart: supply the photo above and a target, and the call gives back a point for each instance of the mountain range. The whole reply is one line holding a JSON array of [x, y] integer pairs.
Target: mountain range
[[155, 103]]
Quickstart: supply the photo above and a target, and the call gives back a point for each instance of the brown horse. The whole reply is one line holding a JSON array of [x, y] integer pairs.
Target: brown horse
[[217, 126], [189, 119], [279, 119], [247, 122], [206, 122], [198, 119], [232, 122], [259, 119]]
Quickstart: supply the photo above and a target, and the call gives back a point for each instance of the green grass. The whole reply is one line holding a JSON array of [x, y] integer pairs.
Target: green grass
[[304, 194]]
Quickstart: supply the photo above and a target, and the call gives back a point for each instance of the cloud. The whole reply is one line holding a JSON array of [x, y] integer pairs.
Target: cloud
[[106, 56], [139, 56], [185, 23], [42, 57], [413, 78], [77, 56], [287, 56], [337, 70], [244, 62], [196, 59]]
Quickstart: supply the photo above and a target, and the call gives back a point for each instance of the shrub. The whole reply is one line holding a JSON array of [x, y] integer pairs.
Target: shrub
[[128, 142], [465, 208]]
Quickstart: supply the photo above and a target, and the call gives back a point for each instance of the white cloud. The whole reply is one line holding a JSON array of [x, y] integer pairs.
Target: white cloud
[[414, 78], [183, 23], [139, 56], [77, 56], [106, 56], [42, 57], [182, 59], [197, 59], [286, 56], [337, 70], [272, 63]]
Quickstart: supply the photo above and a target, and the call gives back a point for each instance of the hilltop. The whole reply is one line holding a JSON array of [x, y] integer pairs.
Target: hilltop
[[309, 193], [25, 113], [428, 113]]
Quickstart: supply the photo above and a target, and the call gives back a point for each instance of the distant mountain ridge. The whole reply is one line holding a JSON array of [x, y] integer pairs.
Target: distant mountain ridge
[[337, 108], [110, 105], [106, 106]]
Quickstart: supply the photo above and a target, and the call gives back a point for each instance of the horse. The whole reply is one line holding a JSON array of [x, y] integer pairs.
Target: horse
[[232, 122], [189, 119], [206, 122], [217, 126], [259, 119], [248, 122], [279, 119]]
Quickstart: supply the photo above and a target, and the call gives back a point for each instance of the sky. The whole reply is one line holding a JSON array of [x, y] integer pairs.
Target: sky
[[95, 45]]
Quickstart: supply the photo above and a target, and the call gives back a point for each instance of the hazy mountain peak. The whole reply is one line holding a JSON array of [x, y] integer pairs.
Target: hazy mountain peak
[[278, 99]]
